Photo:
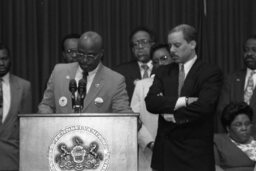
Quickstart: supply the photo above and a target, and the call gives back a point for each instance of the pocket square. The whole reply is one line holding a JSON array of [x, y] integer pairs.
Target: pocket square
[[98, 101]]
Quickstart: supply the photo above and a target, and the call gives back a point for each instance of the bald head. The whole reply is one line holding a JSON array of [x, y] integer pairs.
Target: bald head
[[90, 49], [90, 41]]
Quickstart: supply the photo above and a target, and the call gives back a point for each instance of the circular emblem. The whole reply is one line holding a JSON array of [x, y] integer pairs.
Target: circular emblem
[[63, 101], [79, 148]]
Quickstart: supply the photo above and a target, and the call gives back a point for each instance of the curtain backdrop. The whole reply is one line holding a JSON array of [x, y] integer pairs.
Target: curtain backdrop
[[33, 30]]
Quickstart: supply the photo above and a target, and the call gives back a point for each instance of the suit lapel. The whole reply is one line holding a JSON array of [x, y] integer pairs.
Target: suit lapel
[[239, 85], [96, 85], [189, 80]]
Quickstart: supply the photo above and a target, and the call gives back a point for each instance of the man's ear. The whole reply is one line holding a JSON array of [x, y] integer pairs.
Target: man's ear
[[192, 44]]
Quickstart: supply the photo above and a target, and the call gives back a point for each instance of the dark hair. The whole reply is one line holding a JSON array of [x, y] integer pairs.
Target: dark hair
[[157, 46], [188, 31], [69, 36], [145, 29], [234, 109], [253, 36], [4, 47]]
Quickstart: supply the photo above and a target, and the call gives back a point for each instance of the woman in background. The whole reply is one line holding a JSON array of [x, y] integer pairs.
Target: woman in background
[[236, 150]]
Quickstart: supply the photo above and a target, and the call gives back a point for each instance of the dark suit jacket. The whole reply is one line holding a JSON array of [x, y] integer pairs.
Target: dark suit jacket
[[107, 93], [21, 102], [233, 91], [131, 72], [186, 144], [229, 157]]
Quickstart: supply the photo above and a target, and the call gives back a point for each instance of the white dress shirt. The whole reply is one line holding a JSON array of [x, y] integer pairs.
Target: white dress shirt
[[90, 77], [6, 95], [187, 66], [248, 73]]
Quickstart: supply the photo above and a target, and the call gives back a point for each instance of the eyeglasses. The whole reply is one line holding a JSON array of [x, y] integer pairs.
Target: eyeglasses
[[71, 51], [160, 59], [141, 43], [89, 56]]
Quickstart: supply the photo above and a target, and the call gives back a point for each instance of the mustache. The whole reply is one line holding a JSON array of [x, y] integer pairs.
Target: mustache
[[252, 57]]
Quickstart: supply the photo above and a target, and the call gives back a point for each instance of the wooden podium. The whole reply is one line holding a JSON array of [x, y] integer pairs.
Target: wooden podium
[[78, 142]]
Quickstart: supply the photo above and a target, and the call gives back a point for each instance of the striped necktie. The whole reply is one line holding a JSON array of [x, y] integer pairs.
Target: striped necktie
[[181, 77], [145, 68], [248, 92]]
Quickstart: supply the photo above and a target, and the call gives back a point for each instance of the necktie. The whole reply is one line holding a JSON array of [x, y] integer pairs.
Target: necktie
[[249, 88], [181, 77], [85, 74], [145, 68], [1, 100]]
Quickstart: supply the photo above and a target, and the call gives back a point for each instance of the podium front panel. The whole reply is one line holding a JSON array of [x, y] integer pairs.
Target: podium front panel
[[78, 142]]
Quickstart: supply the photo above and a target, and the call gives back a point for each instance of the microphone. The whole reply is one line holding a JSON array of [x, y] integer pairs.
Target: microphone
[[72, 89], [82, 92]]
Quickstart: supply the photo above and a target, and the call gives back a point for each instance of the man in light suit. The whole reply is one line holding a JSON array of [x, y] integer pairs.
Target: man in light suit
[[16, 99], [185, 94], [146, 136], [105, 88], [141, 40], [234, 86]]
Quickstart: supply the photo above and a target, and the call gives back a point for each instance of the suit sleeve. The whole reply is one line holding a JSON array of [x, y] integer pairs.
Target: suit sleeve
[[47, 105], [120, 99], [26, 106], [207, 90], [208, 94], [156, 101]]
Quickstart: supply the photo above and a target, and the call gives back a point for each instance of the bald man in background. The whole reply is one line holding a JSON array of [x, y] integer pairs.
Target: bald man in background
[[105, 89]]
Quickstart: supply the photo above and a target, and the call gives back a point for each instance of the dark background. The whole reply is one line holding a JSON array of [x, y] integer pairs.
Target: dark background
[[33, 30]]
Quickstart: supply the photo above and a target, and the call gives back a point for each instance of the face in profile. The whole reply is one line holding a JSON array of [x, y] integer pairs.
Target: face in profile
[[141, 46], [250, 54], [70, 50], [161, 57], [5, 63], [240, 128], [181, 50]]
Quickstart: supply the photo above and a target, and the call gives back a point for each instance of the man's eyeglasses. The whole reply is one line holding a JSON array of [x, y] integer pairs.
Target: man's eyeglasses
[[89, 56], [141, 43]]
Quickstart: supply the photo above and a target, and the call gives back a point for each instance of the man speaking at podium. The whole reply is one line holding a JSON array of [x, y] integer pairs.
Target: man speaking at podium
[[86, 86]]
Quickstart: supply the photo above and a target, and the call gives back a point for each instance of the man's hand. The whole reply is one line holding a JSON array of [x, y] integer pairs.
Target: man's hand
[[169, 117]]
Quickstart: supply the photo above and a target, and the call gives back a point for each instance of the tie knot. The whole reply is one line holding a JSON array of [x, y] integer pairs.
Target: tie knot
[[85, 74], [145, 67], [181, 67]]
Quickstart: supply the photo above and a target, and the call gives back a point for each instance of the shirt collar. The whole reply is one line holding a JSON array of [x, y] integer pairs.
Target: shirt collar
[[6, 77], [80, 70], [149, 64], [249, 71], [188, 65]]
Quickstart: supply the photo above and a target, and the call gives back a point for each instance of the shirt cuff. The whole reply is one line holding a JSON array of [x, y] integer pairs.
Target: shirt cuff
[[181, 102]]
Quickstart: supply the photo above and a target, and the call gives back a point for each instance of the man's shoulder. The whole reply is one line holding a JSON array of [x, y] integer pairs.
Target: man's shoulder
[[111, 73], [64, 66], [19, 80]]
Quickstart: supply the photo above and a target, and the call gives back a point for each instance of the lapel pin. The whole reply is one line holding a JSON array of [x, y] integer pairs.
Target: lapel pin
[[67, 77], [63, 101], [97, 85]]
